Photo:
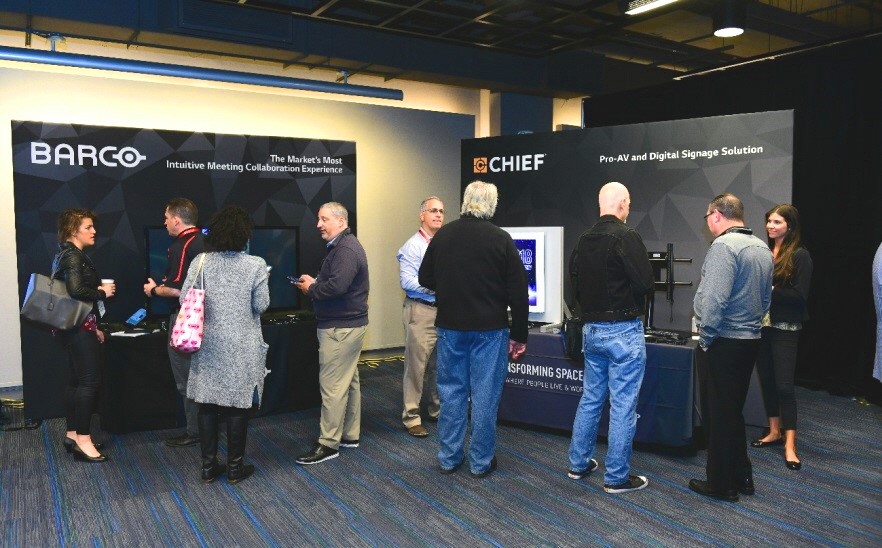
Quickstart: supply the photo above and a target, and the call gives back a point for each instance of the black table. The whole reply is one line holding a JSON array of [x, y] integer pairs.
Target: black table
[[138, 390], [544, 388]]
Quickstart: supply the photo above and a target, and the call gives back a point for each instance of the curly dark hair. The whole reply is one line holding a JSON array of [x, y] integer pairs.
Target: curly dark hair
[[69, 222], [229, 229]]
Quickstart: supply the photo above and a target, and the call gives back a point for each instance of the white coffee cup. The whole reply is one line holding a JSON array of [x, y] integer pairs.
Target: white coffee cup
[[105, 281]]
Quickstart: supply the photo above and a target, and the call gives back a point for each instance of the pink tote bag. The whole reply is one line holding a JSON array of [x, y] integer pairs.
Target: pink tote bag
[[187, 332]]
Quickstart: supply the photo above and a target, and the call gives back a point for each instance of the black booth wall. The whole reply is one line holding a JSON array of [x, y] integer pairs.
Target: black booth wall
[[836, 95]]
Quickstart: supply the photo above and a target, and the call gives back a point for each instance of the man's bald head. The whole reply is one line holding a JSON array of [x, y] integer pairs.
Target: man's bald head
[[615, 200]]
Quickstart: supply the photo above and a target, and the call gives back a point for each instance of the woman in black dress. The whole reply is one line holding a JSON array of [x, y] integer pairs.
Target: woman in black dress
[[76, 232], [776, 363]]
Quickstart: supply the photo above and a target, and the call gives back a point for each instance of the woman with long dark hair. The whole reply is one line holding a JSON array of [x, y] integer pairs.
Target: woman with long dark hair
[[776, 363], [226, 374], [76, 232]]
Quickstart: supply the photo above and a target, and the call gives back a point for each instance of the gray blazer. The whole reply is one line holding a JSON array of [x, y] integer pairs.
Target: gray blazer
[[232, 360]]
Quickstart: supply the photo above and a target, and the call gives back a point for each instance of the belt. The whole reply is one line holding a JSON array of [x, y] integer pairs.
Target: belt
[[427, 303]]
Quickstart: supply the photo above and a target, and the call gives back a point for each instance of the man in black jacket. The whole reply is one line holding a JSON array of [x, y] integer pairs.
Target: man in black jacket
[[181, 215], [613, 277], [476, 273]]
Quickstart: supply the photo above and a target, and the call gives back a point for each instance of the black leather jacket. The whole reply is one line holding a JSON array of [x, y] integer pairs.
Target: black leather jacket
[[78, 273], [611, 271]]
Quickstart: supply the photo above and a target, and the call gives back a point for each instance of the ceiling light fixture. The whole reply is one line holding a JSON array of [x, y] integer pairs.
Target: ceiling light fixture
[[640, 6], [730, 17]]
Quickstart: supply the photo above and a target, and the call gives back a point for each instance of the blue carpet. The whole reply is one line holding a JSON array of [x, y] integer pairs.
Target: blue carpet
[[388, 491]]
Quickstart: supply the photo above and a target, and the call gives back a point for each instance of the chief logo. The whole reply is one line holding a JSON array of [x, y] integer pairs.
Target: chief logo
[[85, 155], [499, 164]]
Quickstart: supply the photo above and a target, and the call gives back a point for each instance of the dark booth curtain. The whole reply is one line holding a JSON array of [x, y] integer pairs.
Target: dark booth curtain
[[836, 95]]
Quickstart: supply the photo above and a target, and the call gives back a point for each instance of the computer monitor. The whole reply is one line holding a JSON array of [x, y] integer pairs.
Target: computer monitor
[[279, 246], [541, 251]]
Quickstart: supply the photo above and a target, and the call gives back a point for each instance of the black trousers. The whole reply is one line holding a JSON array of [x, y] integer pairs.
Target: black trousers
[[776, 367], [84, 362], [729, 366]]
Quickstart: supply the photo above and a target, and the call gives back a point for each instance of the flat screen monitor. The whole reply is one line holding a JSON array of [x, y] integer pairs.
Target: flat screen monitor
[[541, 251], [277, 245]]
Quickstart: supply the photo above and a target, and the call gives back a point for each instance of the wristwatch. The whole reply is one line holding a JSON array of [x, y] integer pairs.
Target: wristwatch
[[153, 291]]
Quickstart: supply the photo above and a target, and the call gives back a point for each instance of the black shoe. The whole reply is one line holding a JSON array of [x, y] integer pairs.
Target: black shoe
[[746, 487], [576, 475], [350, 444], [793, 465], [184, 440], [431, 418], [704, 488], [69, 445], [82, 457], [235, 475], [760, 443], [212, 472], [486, 472], [319, 453], [634, 483], [449, 470]]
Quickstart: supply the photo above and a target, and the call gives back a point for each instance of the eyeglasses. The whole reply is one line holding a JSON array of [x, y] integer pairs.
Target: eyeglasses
[[435, 210], [709, 213]]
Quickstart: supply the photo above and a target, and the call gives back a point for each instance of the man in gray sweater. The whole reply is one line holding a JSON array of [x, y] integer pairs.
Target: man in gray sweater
[[734, 293], [339, 297]]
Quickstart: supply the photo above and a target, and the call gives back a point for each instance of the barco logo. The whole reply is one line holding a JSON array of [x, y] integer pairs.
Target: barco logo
[[497, 164], [85, 155]]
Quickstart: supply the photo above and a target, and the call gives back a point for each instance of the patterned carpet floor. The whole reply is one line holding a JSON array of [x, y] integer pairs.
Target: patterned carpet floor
[[388, 491]]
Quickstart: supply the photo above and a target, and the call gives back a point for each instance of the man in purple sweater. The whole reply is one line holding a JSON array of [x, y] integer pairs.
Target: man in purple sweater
[[339, 296], [476, 273]]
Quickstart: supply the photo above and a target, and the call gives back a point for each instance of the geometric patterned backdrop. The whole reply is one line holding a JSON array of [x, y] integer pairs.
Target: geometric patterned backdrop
[[51, 176], [126, 175], [668, 197]]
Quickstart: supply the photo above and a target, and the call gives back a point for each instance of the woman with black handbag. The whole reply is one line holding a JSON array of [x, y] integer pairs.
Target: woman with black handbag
[[76, 232]]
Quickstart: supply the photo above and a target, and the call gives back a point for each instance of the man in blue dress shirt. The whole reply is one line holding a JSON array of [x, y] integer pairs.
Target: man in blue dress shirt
[[419, 321]]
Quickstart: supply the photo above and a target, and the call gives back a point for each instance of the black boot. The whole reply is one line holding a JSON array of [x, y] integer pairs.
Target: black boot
[[237, 435], [207, 422]]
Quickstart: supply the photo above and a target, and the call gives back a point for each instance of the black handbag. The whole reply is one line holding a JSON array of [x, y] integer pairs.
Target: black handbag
[[571, 331], [47, 301]]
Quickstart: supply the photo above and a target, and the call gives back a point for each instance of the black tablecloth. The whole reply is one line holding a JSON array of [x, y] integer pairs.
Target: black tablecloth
[[138, 389]]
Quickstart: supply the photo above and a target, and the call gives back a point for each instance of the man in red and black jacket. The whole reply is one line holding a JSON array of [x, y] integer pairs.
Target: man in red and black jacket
[[180, 221]]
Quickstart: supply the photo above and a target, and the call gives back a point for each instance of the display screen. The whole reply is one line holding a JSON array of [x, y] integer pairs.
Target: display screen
[[278, 246], [531, 248]]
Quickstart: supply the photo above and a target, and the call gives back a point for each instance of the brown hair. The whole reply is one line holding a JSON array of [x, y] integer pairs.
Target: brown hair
[[69, 222], [792, 240], [184, 209]]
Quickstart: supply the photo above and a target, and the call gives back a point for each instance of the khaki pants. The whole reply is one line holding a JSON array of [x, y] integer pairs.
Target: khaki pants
[[339, 350], [419, 361]]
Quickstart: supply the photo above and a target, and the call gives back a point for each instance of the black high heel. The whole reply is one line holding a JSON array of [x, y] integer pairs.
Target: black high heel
[[82, 457], [69, 445]]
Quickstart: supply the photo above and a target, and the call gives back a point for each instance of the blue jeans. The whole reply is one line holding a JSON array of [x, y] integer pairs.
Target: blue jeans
[[470, 363], [615, 358]]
